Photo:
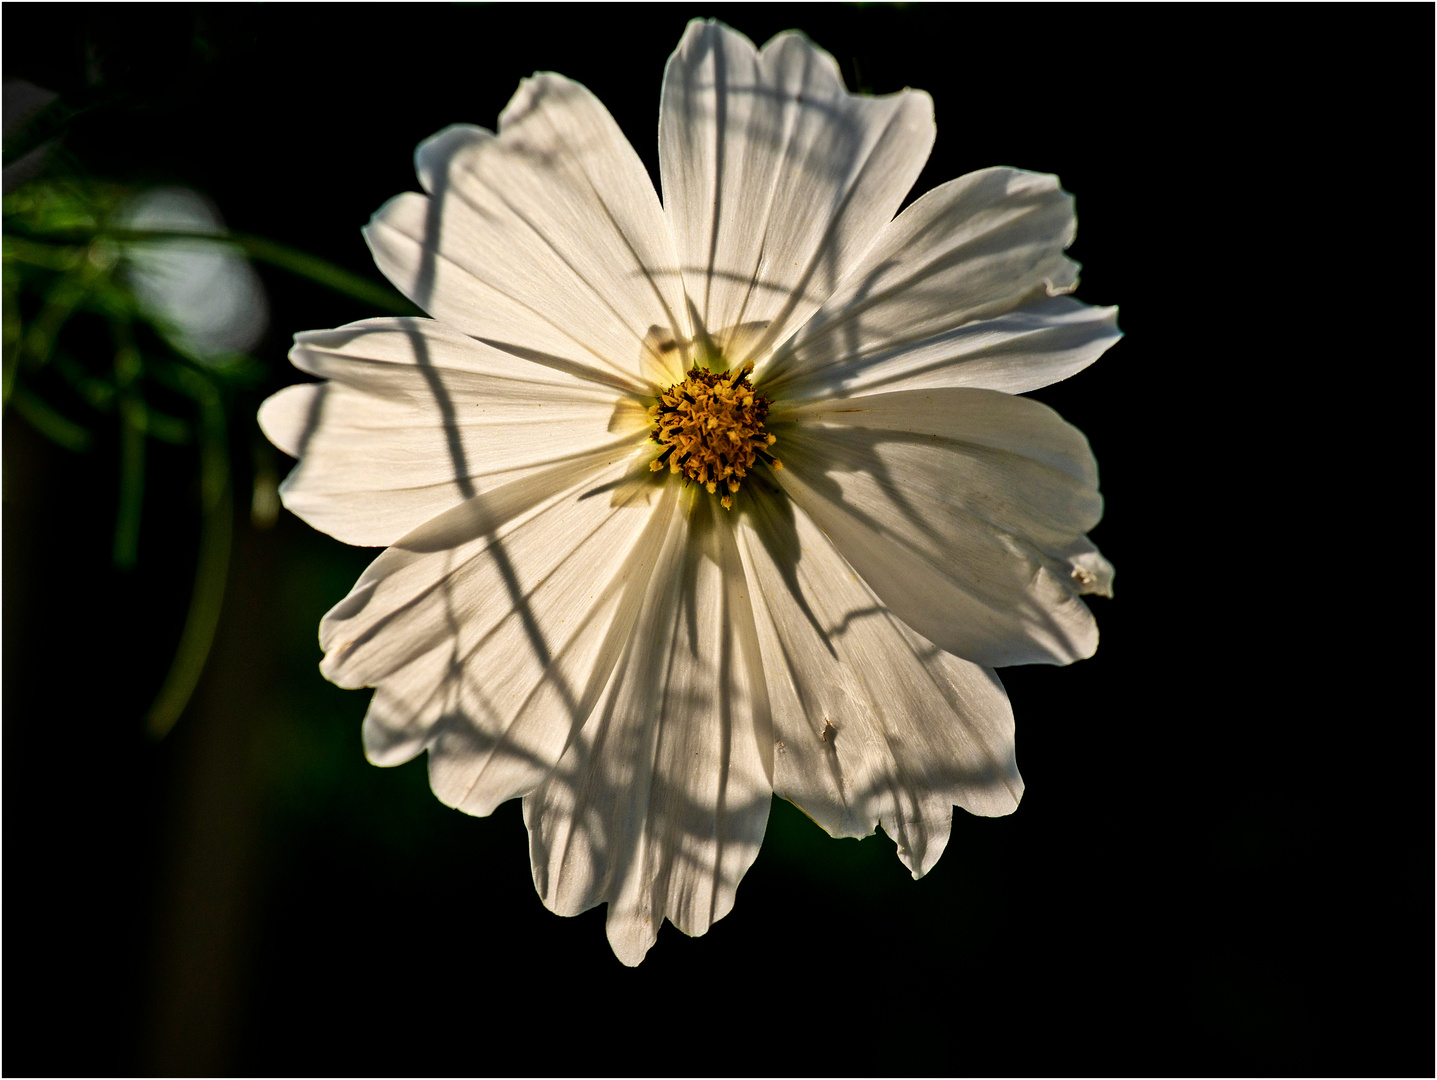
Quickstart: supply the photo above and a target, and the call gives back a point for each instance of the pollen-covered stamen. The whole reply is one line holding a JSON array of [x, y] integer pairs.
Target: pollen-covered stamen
[[711, 428]]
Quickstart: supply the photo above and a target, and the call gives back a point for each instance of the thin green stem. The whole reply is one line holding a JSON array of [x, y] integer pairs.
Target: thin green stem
[[48, 422], [97, 393], [212, 569], [12, 331], [132, 447], [286, 258], [48, 256], [67, 291]]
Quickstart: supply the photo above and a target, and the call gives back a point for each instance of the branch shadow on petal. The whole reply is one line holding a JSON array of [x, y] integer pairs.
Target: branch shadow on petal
[[592, 759], [881, 728], [613, 816], [456, 715], [919, 300], [791, 109], [660, 804], [821, 459]]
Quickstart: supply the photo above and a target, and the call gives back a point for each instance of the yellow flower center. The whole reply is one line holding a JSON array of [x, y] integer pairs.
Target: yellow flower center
[[711, 429]]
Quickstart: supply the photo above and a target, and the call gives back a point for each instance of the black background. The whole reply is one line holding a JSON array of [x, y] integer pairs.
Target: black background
[[1224, 859]]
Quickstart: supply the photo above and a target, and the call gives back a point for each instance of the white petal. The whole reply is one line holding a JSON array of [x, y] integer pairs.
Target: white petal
[[547, 239], [874, 725], [981, 246], [490, 631], [660, 804], [776, 180], [1036, 345], [417, 418], [964, 510]]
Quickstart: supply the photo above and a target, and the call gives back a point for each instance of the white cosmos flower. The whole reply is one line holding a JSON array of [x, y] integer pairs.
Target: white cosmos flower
[[554, 619]]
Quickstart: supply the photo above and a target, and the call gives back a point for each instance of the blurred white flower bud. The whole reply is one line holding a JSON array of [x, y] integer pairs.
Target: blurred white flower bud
[[205, 297]]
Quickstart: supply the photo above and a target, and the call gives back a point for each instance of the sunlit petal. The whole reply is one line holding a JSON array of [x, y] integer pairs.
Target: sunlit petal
[[417, 417], [874, 726], [776, 179], [964, 510], [546, 239], [982, 246], [660, 803], [491, 630], [1038, 344]]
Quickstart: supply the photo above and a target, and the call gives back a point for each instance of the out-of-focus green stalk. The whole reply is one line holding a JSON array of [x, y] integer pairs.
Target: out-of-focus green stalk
[[67, 291], [97, 393], [47, 256], [170, 429], [132, 447], [216, 527], [286, 258], [12, 331], [48, 422], [62, 250]]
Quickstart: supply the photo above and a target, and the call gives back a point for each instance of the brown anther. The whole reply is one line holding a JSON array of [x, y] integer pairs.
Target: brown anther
[[711, 426]]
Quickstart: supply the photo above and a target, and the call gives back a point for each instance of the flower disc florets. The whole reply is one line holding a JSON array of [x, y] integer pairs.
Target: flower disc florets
[[711, 428]]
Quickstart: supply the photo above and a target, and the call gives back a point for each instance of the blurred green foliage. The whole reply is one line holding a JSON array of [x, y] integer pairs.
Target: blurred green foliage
[[80, 345], [1191, 884]]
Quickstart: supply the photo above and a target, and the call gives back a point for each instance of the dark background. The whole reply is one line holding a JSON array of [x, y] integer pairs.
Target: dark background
[[1224, 859]]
